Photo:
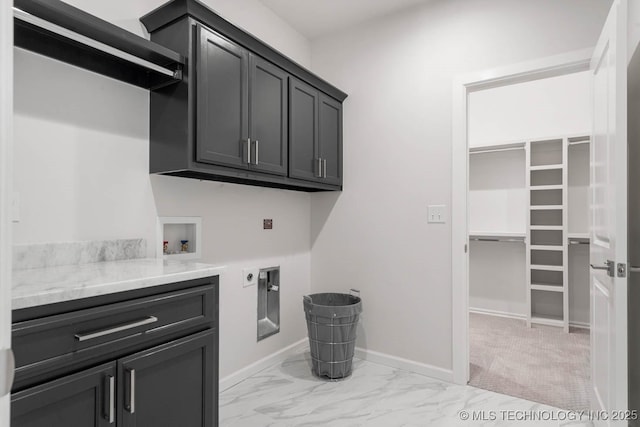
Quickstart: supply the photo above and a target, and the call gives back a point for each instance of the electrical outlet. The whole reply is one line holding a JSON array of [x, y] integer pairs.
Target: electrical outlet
[[437, 214], [250, 276]]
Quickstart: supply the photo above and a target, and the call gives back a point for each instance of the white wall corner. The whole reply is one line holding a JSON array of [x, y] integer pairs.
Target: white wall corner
[[262, 364], [405, 364]]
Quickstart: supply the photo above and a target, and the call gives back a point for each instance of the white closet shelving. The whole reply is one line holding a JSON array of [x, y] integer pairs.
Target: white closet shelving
[[523, 192], [547, 251]]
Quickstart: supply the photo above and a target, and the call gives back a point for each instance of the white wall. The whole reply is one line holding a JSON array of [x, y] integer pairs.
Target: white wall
[[533, 110], [81, 169], [397, 134]]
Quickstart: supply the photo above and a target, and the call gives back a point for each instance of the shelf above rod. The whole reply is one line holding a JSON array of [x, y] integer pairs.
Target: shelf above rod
[[546, 207], [512, 146], [488, 236], [68, 34], [579, 140]]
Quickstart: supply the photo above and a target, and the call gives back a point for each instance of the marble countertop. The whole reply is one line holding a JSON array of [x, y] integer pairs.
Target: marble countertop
[[39, 286]]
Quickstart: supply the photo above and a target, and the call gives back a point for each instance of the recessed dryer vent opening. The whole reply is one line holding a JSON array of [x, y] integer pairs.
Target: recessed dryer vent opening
[[268, 302]]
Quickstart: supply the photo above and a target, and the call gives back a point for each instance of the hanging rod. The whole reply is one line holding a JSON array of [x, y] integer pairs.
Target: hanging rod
[[578, 242], [71, 35], [586, 141], [496, 239], [495, 150]]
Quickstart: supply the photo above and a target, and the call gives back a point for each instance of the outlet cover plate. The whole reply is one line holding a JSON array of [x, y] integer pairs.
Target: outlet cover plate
[[437, 214], [250, 276]]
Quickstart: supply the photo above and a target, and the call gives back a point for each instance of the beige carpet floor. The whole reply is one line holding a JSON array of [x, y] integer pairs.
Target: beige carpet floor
[[542, 364]]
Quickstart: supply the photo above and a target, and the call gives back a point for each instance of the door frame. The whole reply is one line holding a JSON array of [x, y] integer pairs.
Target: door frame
[[463, 85], [6, 186]]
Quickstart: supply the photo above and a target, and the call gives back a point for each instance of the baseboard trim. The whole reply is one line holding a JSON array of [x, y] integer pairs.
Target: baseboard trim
[[262, 364], [405, 364], [581, 325], [497, 313]]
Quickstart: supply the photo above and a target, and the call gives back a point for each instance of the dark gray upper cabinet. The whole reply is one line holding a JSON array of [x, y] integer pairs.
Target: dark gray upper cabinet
[[315, 144], [330, 137], [305, 157], [232, 118], [268, 116], [222, 101]]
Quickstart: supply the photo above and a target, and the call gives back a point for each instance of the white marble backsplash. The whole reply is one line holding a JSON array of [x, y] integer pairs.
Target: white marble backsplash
[[76, 253]]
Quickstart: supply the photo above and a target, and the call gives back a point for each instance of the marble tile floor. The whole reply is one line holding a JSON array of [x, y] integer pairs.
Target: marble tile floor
[[288, 395]]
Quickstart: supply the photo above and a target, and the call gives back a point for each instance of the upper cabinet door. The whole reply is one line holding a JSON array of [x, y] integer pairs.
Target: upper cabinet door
[[84, 399], [330, 136], [268, 116], [304, 157], [222, 101], [167, 386]]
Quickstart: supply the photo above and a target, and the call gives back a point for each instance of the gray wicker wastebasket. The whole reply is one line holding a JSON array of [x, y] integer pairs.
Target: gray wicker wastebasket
[[331, 321]]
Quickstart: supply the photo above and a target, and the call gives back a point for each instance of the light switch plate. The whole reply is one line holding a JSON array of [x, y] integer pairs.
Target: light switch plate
[[437, 214], [250, 276]]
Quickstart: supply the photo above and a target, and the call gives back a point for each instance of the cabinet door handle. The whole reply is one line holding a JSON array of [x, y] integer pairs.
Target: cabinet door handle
[[248, 151], [103, 332], [131, 405], [255, 160], [324, 168], [319, 167], [112, 395]]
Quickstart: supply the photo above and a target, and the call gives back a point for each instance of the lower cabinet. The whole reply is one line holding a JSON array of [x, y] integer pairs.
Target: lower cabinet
[[150, 360], [163, 386], [167, 386], [80, 400]]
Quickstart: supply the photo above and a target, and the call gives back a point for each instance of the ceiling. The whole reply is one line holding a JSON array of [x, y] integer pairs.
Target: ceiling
[[316, 18]]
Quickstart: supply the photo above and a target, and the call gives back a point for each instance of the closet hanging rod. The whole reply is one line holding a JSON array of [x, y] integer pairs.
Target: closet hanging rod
[[495, 150], [84, 40], [578, 242], [496, 239], [586, 141]]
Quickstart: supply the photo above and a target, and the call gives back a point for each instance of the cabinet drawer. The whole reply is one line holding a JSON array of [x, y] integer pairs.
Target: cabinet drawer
[[54, 341]]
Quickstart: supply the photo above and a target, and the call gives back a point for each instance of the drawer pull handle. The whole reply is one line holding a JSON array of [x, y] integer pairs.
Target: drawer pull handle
[[97, 334]]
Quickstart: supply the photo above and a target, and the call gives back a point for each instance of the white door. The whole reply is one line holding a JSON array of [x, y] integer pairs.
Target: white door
[[6, 121], [609, 216]]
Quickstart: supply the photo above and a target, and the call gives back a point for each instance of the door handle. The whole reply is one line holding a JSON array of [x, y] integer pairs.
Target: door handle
[[131, 404], [255, 160], [8, 364], [610, 267], [112, 397], [248, 151], [324, 167], [319, 167], [634, 269]]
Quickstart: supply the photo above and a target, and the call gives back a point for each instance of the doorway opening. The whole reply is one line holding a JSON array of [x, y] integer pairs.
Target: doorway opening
[[525, 315]]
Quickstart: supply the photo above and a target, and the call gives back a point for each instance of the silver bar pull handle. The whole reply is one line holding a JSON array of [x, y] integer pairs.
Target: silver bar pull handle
[[255, 160], [319, 167], [112, 399], [324, 168], [131, 405], [8, 365], [248, 151], [124, 327], [634, 269]]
